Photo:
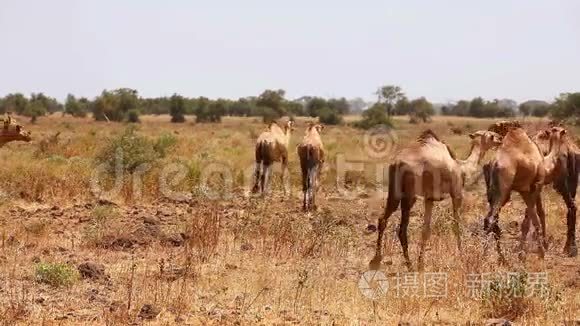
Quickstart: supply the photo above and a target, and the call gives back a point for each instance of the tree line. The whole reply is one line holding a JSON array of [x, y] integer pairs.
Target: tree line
[[126, 105]]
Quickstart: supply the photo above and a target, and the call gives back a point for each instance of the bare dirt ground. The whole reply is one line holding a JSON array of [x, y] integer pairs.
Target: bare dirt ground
[[243, 260]]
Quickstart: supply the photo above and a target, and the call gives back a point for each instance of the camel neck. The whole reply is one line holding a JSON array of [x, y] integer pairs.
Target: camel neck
[[470, 165]]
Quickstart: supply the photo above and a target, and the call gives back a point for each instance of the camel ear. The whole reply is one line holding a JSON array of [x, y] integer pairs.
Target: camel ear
[[472, 136]]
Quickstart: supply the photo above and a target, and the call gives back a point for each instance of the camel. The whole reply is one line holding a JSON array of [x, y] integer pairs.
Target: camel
[[429, 168], [271, 146], [520, 166], [311, 154], [565, 183], [12, 131]]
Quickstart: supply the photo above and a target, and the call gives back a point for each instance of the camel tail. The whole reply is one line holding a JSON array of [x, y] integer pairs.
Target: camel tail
[[311, 164]]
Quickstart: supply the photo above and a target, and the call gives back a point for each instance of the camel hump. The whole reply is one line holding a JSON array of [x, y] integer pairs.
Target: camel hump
[[503, 127], [428, 134]]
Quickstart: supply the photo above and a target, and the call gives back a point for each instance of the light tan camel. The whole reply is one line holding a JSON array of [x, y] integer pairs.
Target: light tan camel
[[311, 154], [272, 146], [565, 182], [428, 168], [12, 131], [520, 166]]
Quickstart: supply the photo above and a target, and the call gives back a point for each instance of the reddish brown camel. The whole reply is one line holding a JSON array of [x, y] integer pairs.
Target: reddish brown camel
[[520, 166], [428, 168], [272, 146], [311, 154], [12, 131], [565, 176]]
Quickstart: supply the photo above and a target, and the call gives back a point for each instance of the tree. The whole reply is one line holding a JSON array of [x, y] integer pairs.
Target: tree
[[16, 103], [421, 109], [525, 109], [567, 105], [329, 116], [211, 111], [74, 107], [389, 95], [402, 107], [315, 105], [373, 116], [274, 100], [476, 107], [177, 108], [339, 105]]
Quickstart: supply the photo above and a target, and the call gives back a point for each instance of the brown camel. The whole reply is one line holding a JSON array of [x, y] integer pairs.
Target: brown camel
[[272, 146], [520, 166], [12, 131], [311, 154], [428, 168], [565, 182]]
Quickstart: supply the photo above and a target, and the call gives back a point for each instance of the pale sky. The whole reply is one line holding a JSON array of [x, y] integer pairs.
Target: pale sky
[[443, 50]]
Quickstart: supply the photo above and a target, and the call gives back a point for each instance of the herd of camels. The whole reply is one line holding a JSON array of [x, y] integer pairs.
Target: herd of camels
[[526, 159], [524, 162]]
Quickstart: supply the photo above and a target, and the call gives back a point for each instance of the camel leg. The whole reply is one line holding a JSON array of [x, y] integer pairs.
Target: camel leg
[[304, 186], [391, 207], [284, 175], [267, 170], [406, 205], [457, 203], [568, 195], [257, 177], [530, 198], [542, 215], [314, 187], [426, 233]]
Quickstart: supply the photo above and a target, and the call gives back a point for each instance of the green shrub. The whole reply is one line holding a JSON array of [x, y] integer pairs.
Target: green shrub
[[56, 274], [129, 150], [165, 142], [329, 117], [133, 116], [374, 116]]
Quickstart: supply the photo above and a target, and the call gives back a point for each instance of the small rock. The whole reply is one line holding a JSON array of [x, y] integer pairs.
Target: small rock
[[149, 311], [92, 270], [247, 247], [150, 220], [175, 239], [371, 228]]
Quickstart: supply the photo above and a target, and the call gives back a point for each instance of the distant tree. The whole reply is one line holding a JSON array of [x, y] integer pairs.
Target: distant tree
[[402, 107], [525, 109], [177, 108], [373, 116], [15, 103], [329, 116], [339, 105], [476, 107], [389, 95], [34, 109], [566, 106], [295, 108], [356, 105], [212, 112], [76, 108], [315, 105], [421, 109], [273, 99], [133, 116]]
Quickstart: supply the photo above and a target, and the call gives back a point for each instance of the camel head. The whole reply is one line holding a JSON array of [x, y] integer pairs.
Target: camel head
[[289, 126], [12, 131], [546, 137], [486, 139], [316, 126]]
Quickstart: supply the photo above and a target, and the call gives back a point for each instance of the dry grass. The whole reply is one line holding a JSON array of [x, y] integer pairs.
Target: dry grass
[[234, 259]]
